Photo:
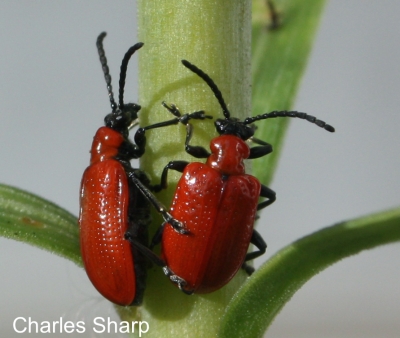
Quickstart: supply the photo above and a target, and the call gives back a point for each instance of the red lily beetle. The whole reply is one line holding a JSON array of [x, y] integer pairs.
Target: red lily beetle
[[217, 202], [115, 199]]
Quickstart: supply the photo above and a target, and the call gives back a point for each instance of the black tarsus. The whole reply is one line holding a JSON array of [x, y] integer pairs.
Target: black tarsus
[[179, 118], [180, 282]]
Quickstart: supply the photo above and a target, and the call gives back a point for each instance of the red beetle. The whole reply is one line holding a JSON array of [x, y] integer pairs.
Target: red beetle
[[115, 199], [217, 202]]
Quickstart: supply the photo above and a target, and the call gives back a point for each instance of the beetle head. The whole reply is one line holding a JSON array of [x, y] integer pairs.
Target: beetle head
[[123, 116], [233, 126], [122, 119]]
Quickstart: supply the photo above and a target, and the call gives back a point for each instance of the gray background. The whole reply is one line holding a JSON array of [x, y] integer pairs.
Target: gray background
[[53, 99]]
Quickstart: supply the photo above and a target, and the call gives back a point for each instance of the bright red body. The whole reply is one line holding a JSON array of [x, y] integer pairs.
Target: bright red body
[[217, 202], [103, 221]]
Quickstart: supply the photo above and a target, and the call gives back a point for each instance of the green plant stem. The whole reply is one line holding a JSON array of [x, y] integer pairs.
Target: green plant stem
[[214, 35]]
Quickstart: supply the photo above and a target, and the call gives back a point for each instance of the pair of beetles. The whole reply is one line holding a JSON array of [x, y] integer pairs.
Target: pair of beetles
[[212, 213]]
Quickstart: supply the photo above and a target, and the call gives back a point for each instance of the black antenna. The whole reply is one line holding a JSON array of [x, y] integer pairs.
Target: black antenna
[[286, 113], [222, 127], [211, 84], [106, 70], [124, 66]]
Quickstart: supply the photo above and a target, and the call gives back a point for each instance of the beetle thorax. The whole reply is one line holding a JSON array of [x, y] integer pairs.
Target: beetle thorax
[[227, 154], [105, 144]]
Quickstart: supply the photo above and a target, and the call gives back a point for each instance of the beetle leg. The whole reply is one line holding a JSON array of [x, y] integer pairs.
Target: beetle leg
[[140, 135], [144, 250], [172, 108], [140, 141], [179, 118], [180, 282], [177, 225], [259, 243], [196, 151], [174, 165], [267, 193], [184, 119], [157, 236], [248, 268], [263, 149]]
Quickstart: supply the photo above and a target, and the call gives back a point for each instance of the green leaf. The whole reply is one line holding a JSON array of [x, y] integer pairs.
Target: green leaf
[[34, 220], [279, 58], [279, 278]]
